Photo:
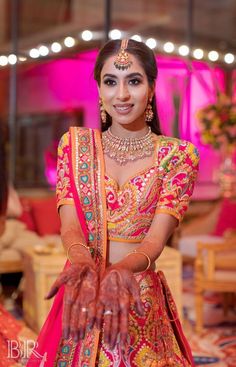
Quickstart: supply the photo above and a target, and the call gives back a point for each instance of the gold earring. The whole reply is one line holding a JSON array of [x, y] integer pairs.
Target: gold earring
[[102, 112], [149, 112]]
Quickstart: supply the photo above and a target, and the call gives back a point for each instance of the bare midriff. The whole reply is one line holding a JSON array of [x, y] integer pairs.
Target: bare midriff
[[118, 250]]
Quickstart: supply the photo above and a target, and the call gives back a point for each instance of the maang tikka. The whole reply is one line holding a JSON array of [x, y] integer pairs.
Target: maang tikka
[[122, 61]]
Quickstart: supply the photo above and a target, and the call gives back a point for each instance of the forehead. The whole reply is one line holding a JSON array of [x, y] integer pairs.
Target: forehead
[[110, 68]]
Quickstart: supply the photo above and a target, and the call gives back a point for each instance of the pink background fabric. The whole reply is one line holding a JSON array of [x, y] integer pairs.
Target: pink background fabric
[[67, 84]]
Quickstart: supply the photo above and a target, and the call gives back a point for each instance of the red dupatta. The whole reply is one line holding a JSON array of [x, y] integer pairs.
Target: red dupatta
[[87, 184], [86, 178]]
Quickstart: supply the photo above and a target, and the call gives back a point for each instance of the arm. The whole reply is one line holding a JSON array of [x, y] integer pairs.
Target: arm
[[80, 279], [71, 233], [162, 227]]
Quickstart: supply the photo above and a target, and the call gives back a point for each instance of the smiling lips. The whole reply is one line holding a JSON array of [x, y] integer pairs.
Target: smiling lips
[[123, 108]]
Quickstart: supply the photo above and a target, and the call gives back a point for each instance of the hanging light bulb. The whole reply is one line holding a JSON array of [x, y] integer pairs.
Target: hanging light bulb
[[3, 60], [12, 59], [213, 55], [136, 37], [115, 34], [229, 58], [43, 50], [198, 53], [168, 47], [87, 35], [56, 47], [151, 43], [183, 50], [69, 41]]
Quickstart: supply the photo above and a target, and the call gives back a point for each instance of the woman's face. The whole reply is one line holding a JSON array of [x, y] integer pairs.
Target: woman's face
[[125, 93]]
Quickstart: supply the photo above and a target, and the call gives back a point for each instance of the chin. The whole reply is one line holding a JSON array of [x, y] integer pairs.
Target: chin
[[127, 121]]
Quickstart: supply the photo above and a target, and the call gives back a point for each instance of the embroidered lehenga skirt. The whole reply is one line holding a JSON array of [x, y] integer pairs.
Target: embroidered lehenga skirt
[[155, 339]]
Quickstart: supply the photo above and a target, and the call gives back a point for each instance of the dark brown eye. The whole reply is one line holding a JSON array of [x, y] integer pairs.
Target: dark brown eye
[[134, 81], [109, 82]]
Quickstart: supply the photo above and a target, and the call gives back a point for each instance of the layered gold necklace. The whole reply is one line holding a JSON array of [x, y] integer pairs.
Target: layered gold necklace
[[124, 150]]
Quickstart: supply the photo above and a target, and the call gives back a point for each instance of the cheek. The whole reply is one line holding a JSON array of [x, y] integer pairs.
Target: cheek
[[142, 97], [107, 95], [140, 93]]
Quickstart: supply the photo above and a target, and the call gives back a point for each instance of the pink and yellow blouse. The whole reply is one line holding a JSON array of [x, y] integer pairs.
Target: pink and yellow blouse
[[164, 187]]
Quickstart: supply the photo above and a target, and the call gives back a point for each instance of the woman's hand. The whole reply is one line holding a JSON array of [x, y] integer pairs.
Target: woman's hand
[[118, 288], [81, 286]]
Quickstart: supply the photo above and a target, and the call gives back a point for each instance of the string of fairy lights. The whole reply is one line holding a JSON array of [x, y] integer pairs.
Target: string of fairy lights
[[69, 42]]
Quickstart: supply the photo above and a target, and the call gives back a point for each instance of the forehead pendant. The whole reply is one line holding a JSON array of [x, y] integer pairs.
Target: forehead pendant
[[122, 61]]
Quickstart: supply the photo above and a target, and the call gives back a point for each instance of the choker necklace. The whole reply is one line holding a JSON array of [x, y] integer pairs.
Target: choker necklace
[[124, 150]]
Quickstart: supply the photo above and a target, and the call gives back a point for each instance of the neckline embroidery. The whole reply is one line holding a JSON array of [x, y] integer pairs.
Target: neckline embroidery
[[146, 169], [130, 178]]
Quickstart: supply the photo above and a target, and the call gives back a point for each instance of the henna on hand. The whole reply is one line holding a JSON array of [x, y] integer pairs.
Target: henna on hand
[[117, 289], [79, 310]]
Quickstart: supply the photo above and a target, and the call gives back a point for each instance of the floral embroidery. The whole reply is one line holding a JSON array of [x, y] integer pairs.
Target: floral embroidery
[[123, 220], [164, 188], [63, 191], [179, 176]]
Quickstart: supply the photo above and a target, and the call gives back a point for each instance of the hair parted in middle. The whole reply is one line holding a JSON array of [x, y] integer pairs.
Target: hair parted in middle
[[147, 60]]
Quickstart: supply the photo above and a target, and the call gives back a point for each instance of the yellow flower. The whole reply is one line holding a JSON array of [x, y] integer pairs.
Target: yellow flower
[[216, 120]]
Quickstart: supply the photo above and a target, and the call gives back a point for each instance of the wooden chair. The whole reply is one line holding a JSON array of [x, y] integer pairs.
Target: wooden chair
[[215, 270], [209, 224]]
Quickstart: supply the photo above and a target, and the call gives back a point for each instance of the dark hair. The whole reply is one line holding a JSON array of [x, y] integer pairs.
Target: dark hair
[[3, 173], [147, 60]]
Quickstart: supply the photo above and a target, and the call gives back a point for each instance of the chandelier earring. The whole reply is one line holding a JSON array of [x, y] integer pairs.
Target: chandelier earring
[[102, 112], [149, 112]]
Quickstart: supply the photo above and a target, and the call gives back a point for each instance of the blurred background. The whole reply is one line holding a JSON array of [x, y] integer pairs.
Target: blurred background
[[47, 54]]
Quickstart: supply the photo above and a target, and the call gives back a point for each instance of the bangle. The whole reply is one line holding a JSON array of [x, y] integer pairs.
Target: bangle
[[142, 253], [76, 244]]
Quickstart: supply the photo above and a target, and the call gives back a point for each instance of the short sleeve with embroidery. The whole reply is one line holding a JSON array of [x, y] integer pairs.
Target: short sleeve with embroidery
[[179, 166], [63, 189]]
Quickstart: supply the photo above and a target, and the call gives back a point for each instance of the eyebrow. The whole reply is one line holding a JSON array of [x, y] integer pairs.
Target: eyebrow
[[132, 75]]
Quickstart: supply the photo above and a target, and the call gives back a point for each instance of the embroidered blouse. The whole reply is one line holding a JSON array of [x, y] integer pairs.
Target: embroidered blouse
[[164, 187]]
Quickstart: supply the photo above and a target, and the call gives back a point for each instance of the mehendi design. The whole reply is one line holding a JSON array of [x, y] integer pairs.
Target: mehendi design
[[151, 338]]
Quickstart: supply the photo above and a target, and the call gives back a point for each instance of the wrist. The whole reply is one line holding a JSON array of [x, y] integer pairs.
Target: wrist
[[144, 255], [79, 252], [136, 261], [79, 258], [124, 264], [77, 248]]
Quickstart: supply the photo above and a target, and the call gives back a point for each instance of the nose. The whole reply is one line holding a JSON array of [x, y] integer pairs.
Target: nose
[[123, 91]]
